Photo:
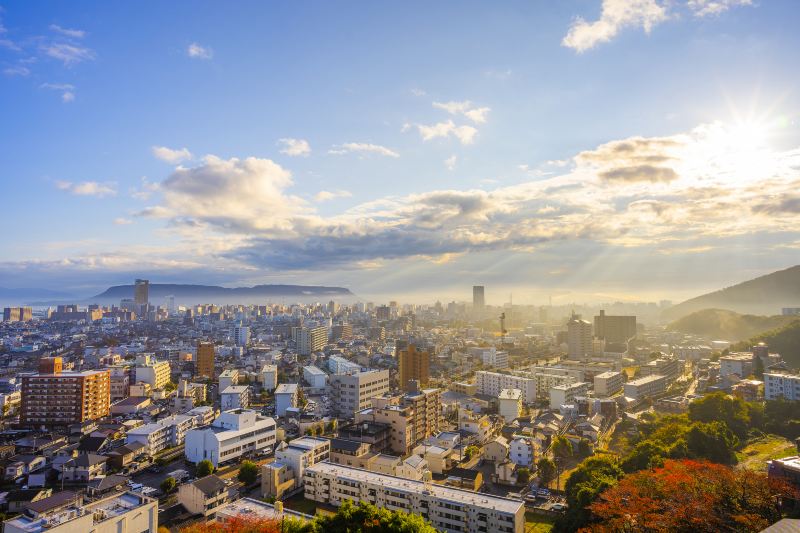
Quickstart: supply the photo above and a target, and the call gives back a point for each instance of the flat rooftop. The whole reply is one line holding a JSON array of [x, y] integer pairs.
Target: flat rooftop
[[440, 492], [248, 507]]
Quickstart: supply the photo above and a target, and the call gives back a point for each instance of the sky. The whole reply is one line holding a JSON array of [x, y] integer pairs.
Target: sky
[[586, 150]]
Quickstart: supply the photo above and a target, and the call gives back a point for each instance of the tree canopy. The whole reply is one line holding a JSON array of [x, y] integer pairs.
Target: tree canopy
[[205, 468], [248, 472]]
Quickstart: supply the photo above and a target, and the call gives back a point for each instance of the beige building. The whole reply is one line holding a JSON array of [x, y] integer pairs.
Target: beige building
[[205, 496], [608, 383], [291, 460], [352, 393], [510, 404], [65, 397], [154, 373]]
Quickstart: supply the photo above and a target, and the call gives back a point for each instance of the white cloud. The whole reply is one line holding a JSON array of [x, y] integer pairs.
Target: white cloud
[[324, 196], [121, 221], [616, 15], [171, 155], [69, 54], [67, 90], [77, 34], [450, 162], [365, 148], [702, 8], [295, 147], [418, 92], [146, 190], [197, 51], [87, 188], [466, 108], [465, 134], [18, 70]]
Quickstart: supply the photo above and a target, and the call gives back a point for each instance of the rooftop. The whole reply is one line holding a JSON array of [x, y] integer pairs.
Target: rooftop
[[286, 388], [248, 507]]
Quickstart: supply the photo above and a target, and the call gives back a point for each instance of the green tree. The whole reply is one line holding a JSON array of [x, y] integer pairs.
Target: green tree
[[523, 475], [719, 406], [713, 441], [168, 485], [584, 448], [205, 468], [547, 471], [170, 386], [584, 485], [368, 518], [248, 472], [562, 447], [470, 451], [646, 454], [758, 368]]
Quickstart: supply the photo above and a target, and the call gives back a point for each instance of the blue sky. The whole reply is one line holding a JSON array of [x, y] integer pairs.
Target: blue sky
[[588, 150]]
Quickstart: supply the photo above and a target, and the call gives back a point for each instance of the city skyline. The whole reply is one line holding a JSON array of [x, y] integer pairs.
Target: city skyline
[[564, 150]]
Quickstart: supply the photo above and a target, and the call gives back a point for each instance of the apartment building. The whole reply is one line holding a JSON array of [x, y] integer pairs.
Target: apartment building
[[579, 338], [645, 387], [414, 365], [120, 382], [340, 365], [665, 366], [740, 364], [291, 460], [310, 340], [17, 314], [205, 496], [786, 386], [510, 404], [228, 377], [342, 332], [232, 434], [165, 433], [286, 396], [205, 360], [411, 417], [315, 377], [566, 394], [235, 397], [66, 512], [352, 392], [154, 373], [448, 509], [492, 357], [608, 383], [491, 383], [269, 377], [64, 398]]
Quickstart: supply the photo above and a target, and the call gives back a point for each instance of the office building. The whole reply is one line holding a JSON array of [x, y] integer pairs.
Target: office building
[[614, 329], [786, 386], [566, 394], [141, 292], [352, 392], [510, 404], [310, 340], [67, 512], [478, 300], [413, 365], [286, 395], [241, 335], [63, 398], [608, 383], [17, 314], [579, 338], [205, 360], [154, 373], [646, 387], [491, 383], [448, 509], [269, 377], [231, 435]]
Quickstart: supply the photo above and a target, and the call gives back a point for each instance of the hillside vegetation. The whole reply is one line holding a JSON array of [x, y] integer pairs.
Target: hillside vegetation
[[762, 295], [727, 325], [784, 340]]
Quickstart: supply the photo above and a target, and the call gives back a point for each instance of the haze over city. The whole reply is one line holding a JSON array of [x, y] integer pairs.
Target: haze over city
[[585, 151]]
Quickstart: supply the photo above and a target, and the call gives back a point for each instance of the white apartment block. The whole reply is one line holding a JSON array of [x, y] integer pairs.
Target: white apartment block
[[448, 509], [66, 512], [310, 340], [340, 365], [645, 387], [231, 435], [510, 404], [269, 377], [579, 339], [565, 394], [315, 377], [491, 383], [235, 397], [286, 396], [494, 358], [352, 393], [228, 377], [241, 335], [781, 385], [607, 384], [740, 364], [521, 451], [165, 433]]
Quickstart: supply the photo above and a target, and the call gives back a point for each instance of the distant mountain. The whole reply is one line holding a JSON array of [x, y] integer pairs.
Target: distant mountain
[[765, 295], [784, 340], [19, 296], [727, 325], [195, 294]]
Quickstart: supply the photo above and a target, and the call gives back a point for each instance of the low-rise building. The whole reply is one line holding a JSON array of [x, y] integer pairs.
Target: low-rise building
[[232, 434], [286, 396], [291, 460], [269, 377], [645, 387], [786, 386], [235, 397], [315, 377], [448, 509], [205, 496], [522, 451], [510, 404], [566, 394], [608, 383]]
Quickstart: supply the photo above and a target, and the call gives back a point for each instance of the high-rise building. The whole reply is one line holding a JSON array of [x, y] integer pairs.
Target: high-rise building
[[614, 329], [241, 335], [579, 338], [353, 392], [413, 365], [205, 360], [141, 292], [478, 300], [310, 340], [17, 314], [63, 398]]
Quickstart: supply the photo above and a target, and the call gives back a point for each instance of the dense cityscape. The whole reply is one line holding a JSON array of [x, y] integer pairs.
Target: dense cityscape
[[474, 417]]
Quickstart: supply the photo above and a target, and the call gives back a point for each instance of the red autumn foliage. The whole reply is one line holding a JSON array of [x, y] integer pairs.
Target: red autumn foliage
[[691, 496], [236, 525]]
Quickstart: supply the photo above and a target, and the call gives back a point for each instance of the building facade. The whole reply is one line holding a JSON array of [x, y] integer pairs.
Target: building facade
[[64, 398]]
